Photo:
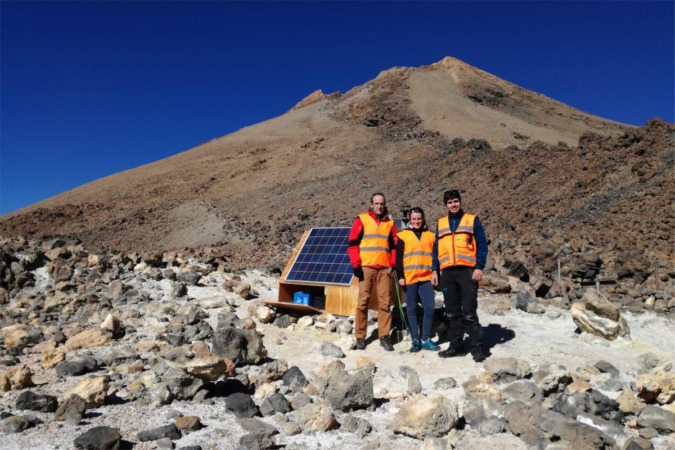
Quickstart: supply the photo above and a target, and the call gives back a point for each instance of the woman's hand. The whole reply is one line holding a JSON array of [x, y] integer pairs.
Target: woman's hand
[[434, 279]]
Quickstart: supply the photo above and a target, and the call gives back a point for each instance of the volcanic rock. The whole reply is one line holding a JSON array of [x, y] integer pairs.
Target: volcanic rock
[[421, 416]]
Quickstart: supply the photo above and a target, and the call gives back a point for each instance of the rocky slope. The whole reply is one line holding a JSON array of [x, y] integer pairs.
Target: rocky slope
[[549, 182]]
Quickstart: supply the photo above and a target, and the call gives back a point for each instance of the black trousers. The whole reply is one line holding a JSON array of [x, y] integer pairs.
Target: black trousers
[[460, 294]]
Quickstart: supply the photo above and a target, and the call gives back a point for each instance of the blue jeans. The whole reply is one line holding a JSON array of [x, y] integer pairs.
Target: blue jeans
[[425, 292]]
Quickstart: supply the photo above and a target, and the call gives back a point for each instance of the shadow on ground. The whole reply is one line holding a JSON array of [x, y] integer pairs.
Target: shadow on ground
[[495, 334]]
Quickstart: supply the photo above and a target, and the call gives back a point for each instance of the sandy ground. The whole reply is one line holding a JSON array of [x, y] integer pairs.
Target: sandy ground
[[538, 339]]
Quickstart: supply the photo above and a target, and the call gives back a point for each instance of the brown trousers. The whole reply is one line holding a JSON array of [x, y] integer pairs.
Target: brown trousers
[[371, 278]]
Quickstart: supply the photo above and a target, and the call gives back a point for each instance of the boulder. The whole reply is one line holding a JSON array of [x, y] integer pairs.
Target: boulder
[[554, 427], [272, 371], [76, 367], [316, 417], [181, 385], [656, 387], [295, 379], [188, 423], [264, 314], [507, 369], [71, 410], [99, 438], [60, 270], [357, 425], [17, 377], [554, 378], [598, 316], [521, 420], [112, 324], [242, 289], [13, 335], [330, 350], [628, 403], [51, 358], [92, 337], [421, 416], [92, 390], [412, 378], [482, 387], [345, 391], [241, 405], [445, 383], [166, 431], [598, 404], [305, 322], [257, 441], [36, 402], [15, 424], [242, 347], [525, 391], [275, 403], [658, 418], [496, 284], [208, 368]]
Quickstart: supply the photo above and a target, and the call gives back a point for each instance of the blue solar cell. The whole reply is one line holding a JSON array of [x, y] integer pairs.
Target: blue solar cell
[[323, 259]]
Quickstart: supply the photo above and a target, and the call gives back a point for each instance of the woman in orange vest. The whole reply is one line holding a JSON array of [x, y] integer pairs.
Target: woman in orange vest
[[414, 253]]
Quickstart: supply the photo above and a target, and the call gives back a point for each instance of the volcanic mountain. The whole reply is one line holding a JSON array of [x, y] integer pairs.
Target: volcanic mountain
[[545, 178]]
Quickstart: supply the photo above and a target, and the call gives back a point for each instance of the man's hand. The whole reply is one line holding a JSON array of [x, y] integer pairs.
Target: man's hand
[[477, 275], [434, 278], [358, 273], [401, 282], [391, 272]]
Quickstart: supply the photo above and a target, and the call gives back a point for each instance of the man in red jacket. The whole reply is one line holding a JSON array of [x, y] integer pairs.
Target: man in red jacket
[[372, 251]]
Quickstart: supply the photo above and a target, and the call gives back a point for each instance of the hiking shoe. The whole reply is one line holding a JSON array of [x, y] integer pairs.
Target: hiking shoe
[[416, 346], [428, 345], [478, 356], [385, 344], [360, 344], [451, 352]]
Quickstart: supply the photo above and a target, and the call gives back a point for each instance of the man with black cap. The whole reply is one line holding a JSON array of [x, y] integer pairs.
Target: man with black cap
[[460, 252]]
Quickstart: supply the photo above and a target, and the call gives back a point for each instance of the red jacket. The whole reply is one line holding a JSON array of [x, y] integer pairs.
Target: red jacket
[[356, 234]]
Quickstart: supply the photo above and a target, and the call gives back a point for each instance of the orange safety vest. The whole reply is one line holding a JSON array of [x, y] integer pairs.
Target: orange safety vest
[[417, 256], [458, 248], [374, 246]]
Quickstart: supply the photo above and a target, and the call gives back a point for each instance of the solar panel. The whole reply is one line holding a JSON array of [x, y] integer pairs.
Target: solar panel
[[323, 258]]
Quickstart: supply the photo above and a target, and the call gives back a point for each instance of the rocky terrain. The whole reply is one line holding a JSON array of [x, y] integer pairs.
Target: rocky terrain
[[549, 182], [133, 314], [150, 350]]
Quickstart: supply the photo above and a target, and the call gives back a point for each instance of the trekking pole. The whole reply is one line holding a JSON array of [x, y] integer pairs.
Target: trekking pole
[[400, 310]]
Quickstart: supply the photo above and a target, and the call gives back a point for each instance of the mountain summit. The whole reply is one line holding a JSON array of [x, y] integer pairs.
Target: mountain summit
[[540, 174]]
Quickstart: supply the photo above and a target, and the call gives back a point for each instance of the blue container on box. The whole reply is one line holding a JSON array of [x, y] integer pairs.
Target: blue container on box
[[302, 298]]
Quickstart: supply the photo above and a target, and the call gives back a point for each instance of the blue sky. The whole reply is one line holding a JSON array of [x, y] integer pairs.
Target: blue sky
[[88, 89]]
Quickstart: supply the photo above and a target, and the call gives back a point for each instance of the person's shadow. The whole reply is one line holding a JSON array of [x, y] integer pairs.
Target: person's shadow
[[495, 334]]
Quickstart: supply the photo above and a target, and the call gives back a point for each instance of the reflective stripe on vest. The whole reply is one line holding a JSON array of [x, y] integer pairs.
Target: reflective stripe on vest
[[417, 256], [458, 248], [374, 246]]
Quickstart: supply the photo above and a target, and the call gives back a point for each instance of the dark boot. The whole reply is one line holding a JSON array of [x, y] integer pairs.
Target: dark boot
[[452, 351], [386, 345], [475, 341]]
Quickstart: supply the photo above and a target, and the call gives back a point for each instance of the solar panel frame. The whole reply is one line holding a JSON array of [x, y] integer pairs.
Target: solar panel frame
[[323, 259]]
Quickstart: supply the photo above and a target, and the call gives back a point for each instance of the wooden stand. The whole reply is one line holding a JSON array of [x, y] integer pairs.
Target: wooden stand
[[337, 300]]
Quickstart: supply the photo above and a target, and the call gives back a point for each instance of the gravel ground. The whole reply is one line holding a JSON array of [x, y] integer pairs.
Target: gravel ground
[[540, 340]]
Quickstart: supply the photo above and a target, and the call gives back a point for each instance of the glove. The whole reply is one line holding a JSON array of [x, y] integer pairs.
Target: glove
[[358, 273]]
